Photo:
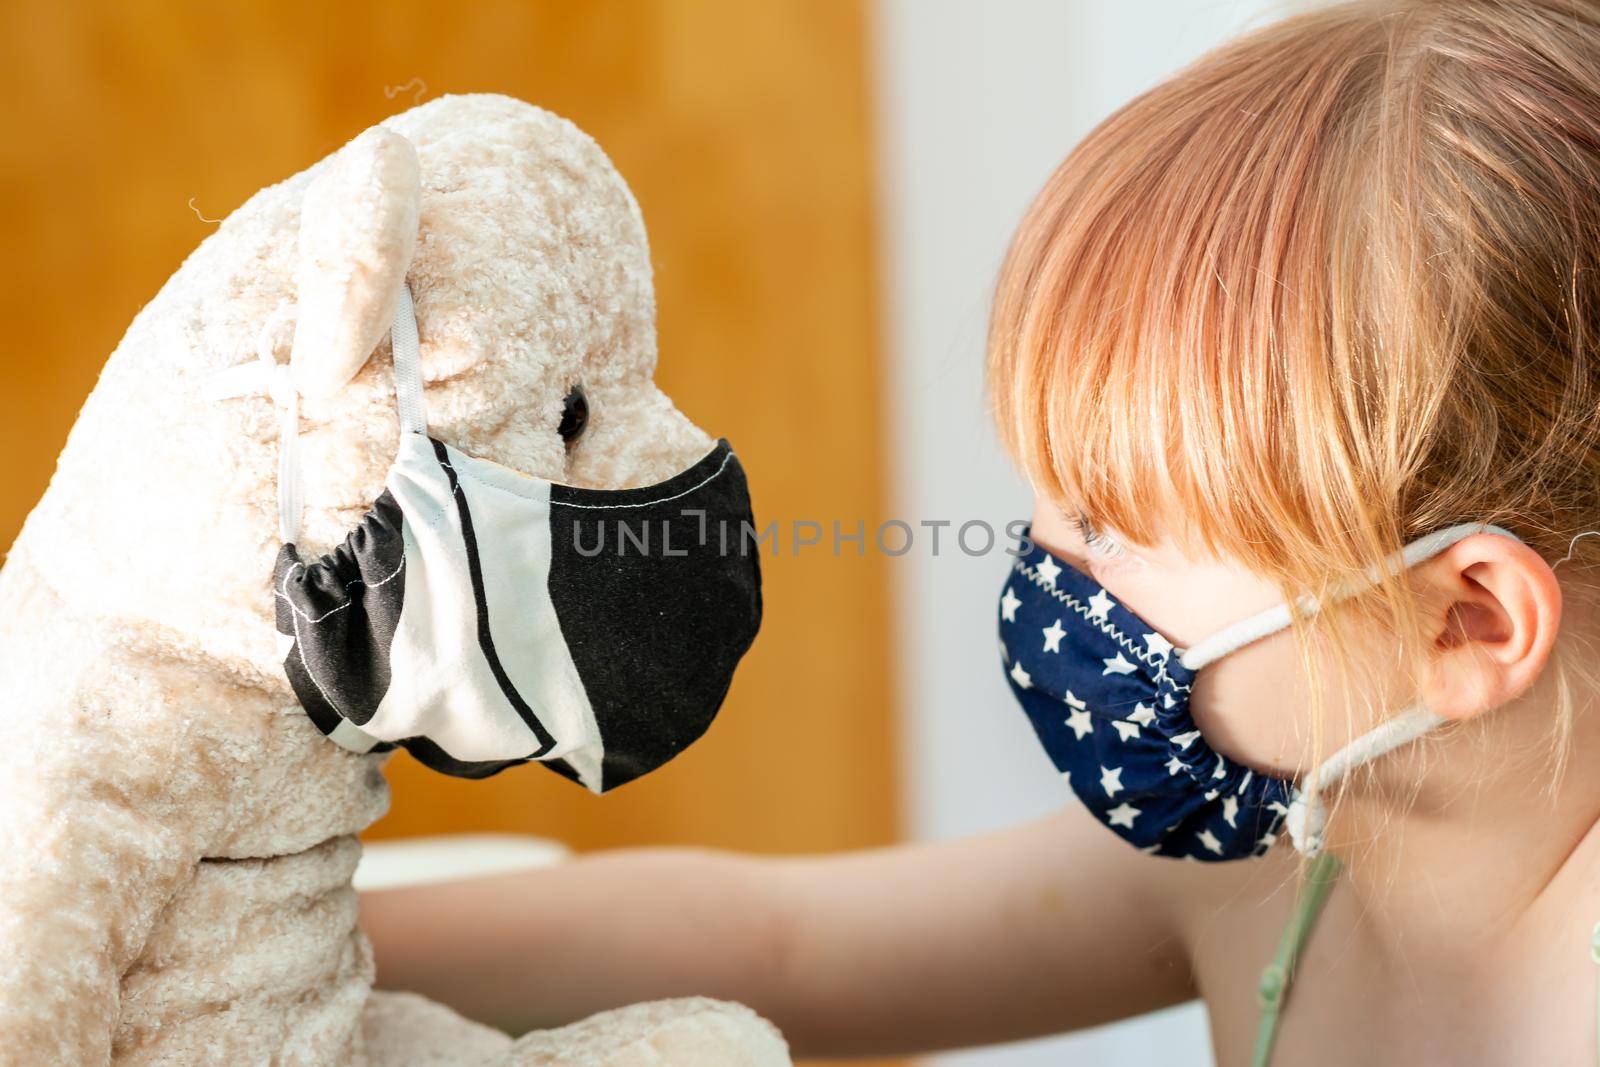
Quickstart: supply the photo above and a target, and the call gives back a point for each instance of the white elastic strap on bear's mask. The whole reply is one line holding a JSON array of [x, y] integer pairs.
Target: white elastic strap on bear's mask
[[265, 374], [1307, 813], [407, 365]]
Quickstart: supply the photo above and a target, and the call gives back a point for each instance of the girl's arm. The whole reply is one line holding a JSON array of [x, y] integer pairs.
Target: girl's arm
[[1044, 928]]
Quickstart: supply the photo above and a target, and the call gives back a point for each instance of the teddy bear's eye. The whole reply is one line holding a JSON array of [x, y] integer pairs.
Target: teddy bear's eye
[[574, 415]]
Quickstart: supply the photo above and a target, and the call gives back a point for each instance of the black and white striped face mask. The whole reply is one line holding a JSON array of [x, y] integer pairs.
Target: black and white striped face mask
[[482, 618]]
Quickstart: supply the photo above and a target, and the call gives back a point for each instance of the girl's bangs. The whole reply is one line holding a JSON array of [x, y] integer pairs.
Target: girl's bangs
[[1168, 285]]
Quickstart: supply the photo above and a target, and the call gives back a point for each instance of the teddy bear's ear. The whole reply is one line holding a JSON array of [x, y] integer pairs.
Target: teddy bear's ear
[[358, 229]]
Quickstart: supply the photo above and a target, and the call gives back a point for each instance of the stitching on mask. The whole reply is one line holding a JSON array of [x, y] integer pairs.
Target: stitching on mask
[[598, 507], [1103, 624], [707, 480], [279, 592], [434, 517], [1199, 765], [300, 650]]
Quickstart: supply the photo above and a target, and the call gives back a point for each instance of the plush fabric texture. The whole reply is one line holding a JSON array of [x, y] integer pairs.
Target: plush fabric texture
[[177, 834], [405, 1029], [351, 261], [664, 1034]]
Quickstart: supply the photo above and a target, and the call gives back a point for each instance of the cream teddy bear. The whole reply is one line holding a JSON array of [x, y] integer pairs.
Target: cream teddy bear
[[177, 835]]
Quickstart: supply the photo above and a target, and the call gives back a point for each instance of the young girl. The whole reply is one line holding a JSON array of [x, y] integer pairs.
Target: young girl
[[1330, 294]]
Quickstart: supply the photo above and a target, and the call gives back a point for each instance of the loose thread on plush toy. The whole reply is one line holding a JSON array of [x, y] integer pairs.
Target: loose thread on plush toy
[[199, 216], [391, 91]]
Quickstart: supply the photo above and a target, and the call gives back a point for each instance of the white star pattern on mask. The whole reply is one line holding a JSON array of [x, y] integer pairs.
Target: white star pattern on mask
[[1133, 709], [1230, 811], [1053, 635], [1122, 815], [1118, 664], [1020, 676]]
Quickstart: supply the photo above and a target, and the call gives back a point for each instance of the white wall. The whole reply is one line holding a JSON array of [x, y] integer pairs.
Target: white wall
[[977, 102]]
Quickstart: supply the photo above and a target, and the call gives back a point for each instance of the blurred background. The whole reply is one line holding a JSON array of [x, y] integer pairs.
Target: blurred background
[[829, 187]]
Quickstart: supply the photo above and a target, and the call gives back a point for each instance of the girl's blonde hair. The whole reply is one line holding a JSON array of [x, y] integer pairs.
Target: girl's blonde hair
[[1335, 285]]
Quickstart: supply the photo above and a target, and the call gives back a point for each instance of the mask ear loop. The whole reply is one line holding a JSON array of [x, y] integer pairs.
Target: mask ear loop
[[280, 384], [264, 374], [407, 365], [1307, 813], [291, 491]]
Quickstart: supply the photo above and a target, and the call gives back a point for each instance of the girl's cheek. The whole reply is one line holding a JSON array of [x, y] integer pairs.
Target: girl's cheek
[[1250, 706], [1131, 567], [1127, 578]]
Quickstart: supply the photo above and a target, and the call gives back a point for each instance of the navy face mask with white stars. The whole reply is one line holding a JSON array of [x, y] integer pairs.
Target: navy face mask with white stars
[[1108, 696]]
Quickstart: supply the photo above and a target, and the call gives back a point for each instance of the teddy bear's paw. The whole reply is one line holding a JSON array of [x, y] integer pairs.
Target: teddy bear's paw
[[406, 1030], [692, 1032]]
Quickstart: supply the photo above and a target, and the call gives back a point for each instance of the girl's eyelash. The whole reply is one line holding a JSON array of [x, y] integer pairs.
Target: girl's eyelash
[[1098, 543]]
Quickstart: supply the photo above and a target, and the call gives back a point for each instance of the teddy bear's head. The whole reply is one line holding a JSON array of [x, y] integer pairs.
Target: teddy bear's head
[[528, 262]]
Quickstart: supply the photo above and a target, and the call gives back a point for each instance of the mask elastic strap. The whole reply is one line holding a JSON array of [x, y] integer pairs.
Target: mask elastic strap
[[407, 365], [291, 493], [265, 374], [1249, 630], [1307, 813]]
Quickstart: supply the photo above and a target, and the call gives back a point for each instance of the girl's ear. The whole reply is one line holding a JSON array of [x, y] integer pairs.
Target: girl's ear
[[1495, 608], [358, 230]]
